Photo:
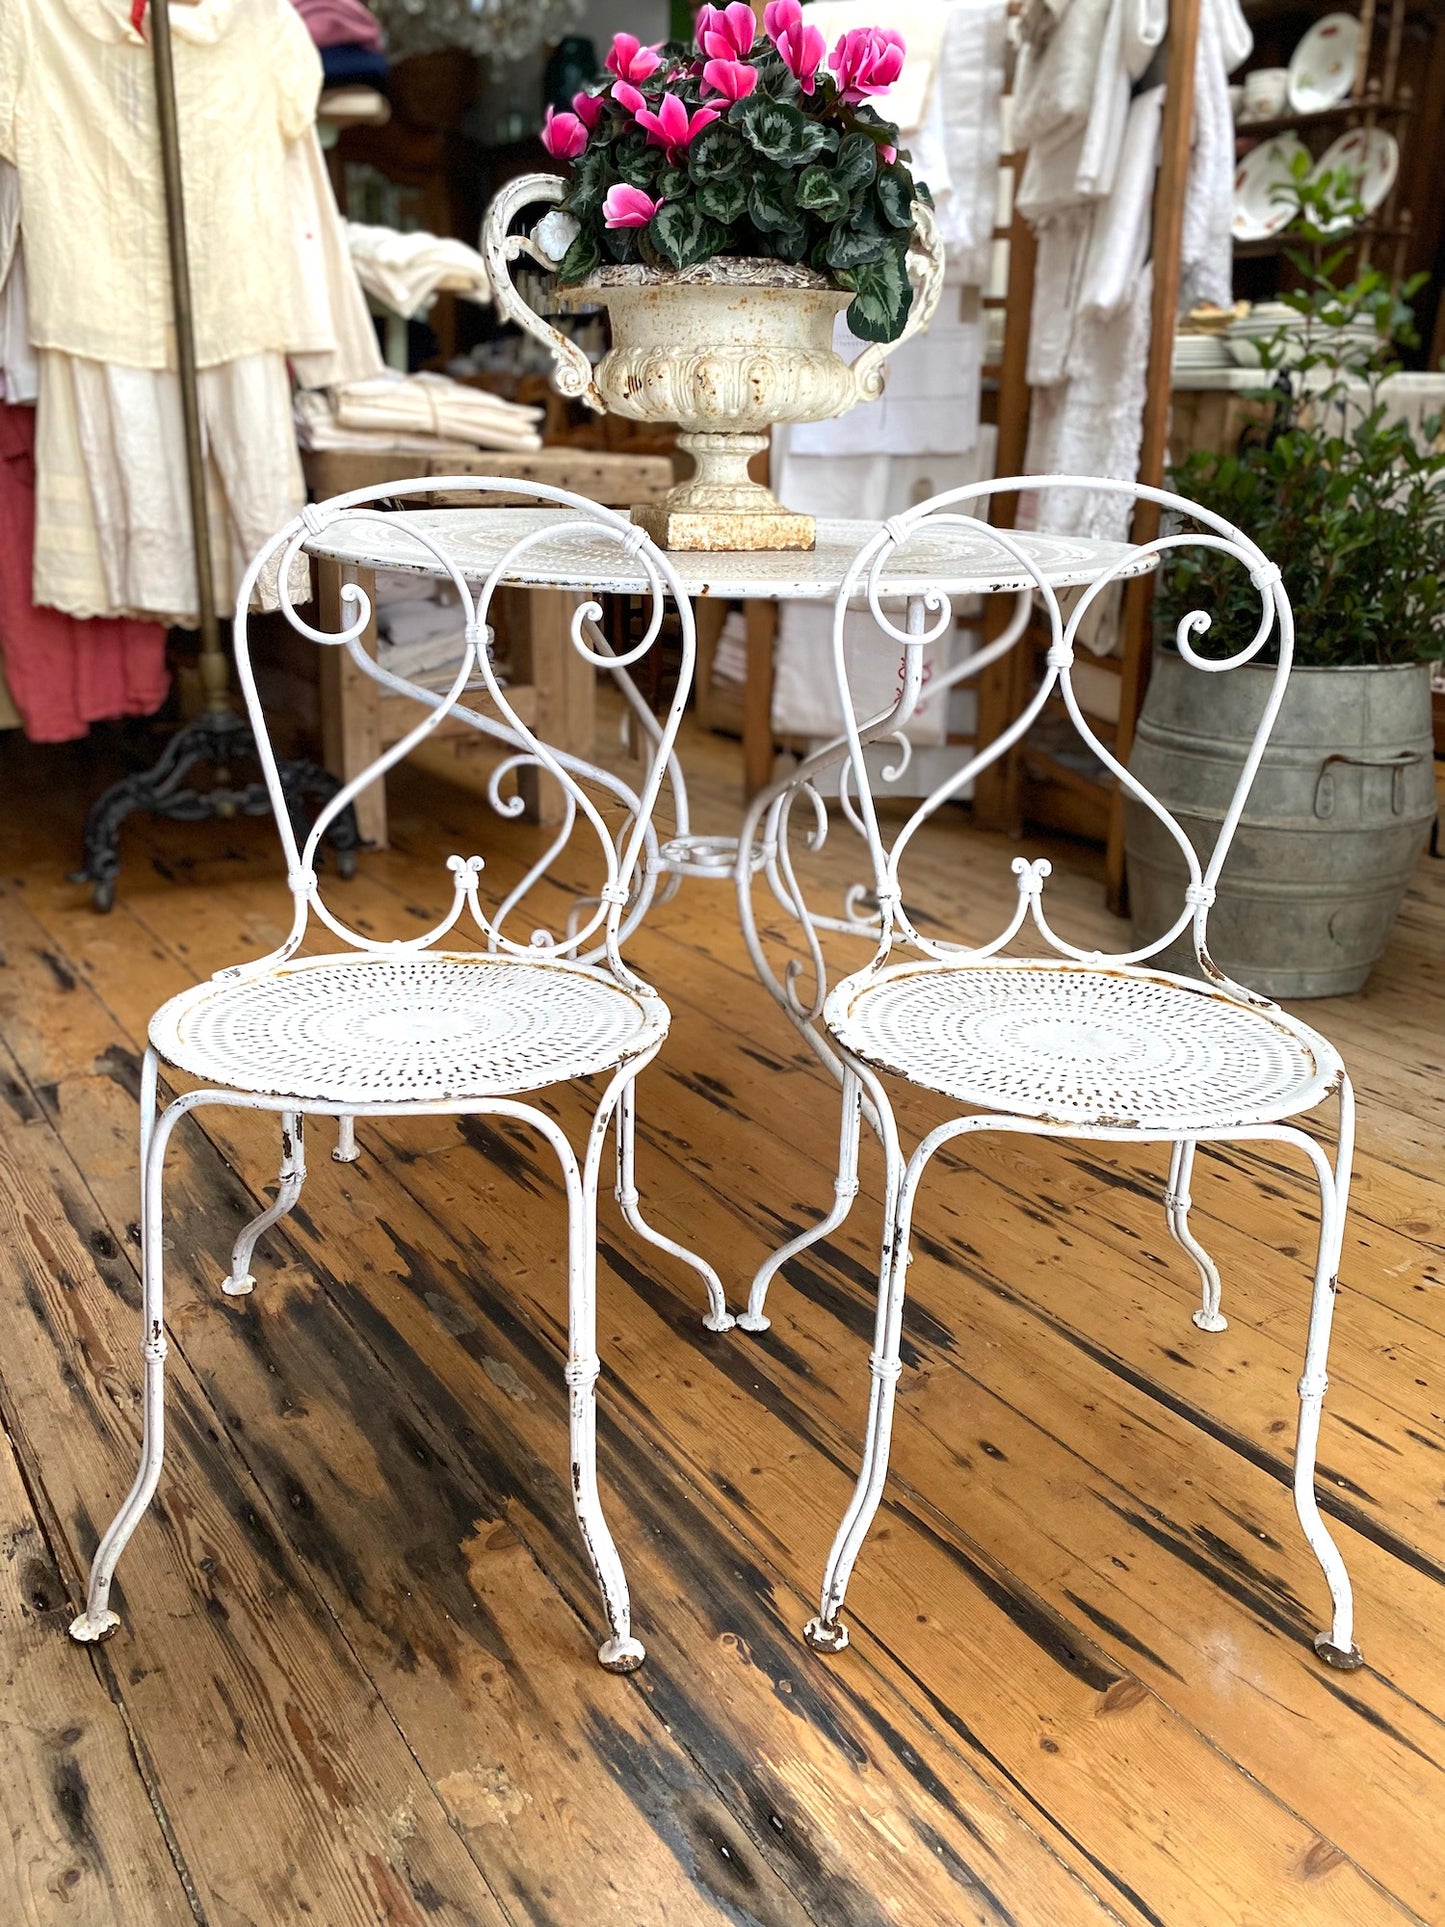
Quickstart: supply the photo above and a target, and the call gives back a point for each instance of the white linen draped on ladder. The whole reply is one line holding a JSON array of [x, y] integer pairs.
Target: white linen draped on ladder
[[1088, 187]]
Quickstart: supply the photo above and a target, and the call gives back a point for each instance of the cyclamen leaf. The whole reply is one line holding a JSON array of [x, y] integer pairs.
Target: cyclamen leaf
[[820, 194], [581, 259], [893, 191], [683, 235], [778, 132], [857, 162], [882, 298], [848, 249], [723, 201], [771, 209], [637, 165], [588, 188], [717, 154]]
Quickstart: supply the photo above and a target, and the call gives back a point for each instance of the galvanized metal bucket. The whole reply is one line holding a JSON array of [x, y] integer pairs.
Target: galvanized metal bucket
[[1331, 833]]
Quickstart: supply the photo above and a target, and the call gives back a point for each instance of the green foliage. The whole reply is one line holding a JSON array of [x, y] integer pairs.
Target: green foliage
[[682, 234], [1348, 502], [780, 175]]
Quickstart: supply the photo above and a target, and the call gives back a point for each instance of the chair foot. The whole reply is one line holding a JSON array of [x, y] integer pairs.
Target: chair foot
[[1336, 1656], [1210, 1321], [347, 1150], [719, 1321], [90, 1631], [238, 1287], [825, 1638], [621, 1655], [753, 1321]]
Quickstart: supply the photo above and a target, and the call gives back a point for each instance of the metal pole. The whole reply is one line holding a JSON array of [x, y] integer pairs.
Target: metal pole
[[215, 673]]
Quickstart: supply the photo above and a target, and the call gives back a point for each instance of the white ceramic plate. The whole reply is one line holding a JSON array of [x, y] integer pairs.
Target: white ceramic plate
[[1259, 210], [1322, 66], [1371, 158]]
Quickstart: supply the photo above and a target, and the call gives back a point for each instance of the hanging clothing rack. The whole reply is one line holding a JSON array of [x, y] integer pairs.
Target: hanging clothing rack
[[218, 737]]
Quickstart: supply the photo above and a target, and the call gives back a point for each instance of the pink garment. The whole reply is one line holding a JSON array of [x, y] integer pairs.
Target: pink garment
[[340, 23], [63, 675]]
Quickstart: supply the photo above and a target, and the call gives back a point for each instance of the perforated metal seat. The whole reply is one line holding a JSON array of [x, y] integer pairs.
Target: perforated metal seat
[[1071, 1044], [1072, 1041], [435, 1027]]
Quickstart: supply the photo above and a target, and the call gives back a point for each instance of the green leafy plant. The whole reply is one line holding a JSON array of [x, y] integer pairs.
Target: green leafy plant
[[1348, 501], [745, 143]]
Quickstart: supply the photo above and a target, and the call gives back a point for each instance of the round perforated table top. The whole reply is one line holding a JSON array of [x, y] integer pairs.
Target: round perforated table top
[[957, 561]]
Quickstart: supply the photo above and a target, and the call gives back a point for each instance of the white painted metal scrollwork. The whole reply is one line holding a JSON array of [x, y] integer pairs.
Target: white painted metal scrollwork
[[403, 1026], [1069, 1041]]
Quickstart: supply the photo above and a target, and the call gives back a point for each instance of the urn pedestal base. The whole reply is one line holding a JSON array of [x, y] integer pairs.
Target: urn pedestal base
[[720, 508], [723, 531]]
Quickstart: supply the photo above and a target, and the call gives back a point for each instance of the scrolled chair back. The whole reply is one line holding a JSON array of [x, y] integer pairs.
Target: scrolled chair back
[[609, 818], [879, 910]]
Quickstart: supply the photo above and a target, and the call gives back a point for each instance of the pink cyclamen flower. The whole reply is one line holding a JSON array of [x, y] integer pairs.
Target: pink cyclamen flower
[[734, 78], [726, 33], [563, 135], [588, 108], [802, 48], [888, 153], [628, 96], [867, 60], [671, 126], [628, 206], [629, 59]]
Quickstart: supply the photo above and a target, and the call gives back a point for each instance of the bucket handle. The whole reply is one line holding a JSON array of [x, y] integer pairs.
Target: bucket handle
[[1401, 761]]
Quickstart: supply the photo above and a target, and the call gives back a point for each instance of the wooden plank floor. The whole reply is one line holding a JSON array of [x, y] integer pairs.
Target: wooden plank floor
[[355, 1682]]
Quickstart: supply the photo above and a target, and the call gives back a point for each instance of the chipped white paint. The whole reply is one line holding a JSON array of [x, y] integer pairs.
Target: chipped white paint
[[724, 350], [405, 1027], [1068, 1042]]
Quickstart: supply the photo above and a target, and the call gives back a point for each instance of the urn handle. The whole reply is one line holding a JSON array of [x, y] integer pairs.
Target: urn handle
[[572, 373], [870, 370]]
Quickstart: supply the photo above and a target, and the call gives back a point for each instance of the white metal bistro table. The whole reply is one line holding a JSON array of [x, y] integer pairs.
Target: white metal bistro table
[[950, 561]]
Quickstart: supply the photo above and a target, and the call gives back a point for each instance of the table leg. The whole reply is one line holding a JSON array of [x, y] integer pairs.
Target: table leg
[[350, 700], [762, 626], [566, 692]]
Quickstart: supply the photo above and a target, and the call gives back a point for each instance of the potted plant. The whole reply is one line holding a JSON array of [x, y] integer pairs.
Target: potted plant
[[1350, 503], [725, 201]]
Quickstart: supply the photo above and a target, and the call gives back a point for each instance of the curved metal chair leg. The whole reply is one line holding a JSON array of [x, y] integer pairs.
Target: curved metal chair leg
[[845, 1190], [827, 1633], [1337, 1647], [98, 1622], [621, 1653], [1208, 1317], [347, 1151], [717, 1317], [292, 1177]]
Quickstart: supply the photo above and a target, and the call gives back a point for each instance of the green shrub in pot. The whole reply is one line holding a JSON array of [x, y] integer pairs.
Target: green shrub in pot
[[1350, 502]]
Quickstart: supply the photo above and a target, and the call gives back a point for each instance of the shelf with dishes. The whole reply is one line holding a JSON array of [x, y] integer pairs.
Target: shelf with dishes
[[1344, 113], [1367, 156]]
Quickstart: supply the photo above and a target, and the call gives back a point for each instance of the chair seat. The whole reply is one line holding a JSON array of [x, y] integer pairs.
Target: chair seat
[[1118, 1048], [434, 1027]]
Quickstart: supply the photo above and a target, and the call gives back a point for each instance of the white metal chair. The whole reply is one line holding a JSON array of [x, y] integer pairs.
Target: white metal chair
[[406, 1028], [1069, 1043]]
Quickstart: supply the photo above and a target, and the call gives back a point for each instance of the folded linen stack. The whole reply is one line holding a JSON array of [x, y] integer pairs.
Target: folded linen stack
[[421, 633], [406, 272], [413, 414]]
